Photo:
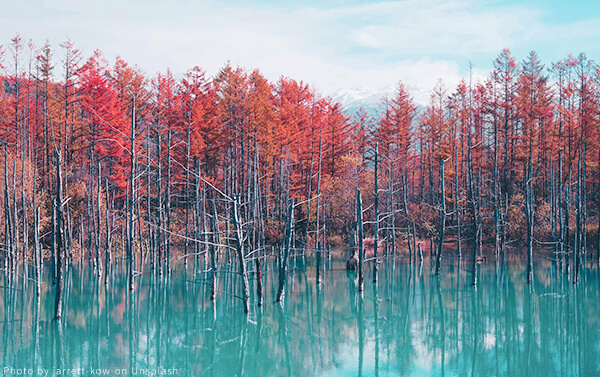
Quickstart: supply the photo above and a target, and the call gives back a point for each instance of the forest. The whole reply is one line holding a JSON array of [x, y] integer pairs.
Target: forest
[[103, 162]]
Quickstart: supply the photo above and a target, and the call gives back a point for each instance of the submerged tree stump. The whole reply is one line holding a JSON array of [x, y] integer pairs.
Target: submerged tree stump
[[352, 262]]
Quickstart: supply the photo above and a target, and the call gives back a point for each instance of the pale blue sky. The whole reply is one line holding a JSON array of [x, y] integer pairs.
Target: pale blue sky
[[329, 44]]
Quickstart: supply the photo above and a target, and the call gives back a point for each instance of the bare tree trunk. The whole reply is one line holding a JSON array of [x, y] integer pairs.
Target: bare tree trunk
[[561, 209], [15, 220], [578, 227], [529, 216], [598, 240], [392, 214], [9, 247], [283, 259], [411, 249], [442, 218], [319, 244], [68, 224], [457, 210], [361, 249], [257, 223], [151, 230], [309, 196], [59, 240], [239, 240], [98, 221], [583, 204], [318, 227], [553, 211], [37, 250], [130, 246], [24, 228], [187, 194], [168, 206], [259, 287], [497, 195], [567, 206], [89, 208], [53, 243], [376, 231], [159, 231], [108, 246], [196, 219], [214, 241], [475, 210]]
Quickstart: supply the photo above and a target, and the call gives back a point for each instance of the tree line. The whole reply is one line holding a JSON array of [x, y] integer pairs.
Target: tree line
[[105, 162]]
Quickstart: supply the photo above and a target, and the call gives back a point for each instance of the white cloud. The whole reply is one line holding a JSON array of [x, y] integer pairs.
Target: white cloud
[[324, 46], [371, 45]]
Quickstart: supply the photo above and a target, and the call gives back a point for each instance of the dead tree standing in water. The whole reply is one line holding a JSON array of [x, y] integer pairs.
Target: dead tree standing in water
[[578, 227], [239, 241], [529, 216], [361, 248], [598, 240], [37, 252], [60, 249], [376, 231], [214, 242], [474, 209], [283, 255], [108, 251], [130, 251], [442, 218], [9, 260]]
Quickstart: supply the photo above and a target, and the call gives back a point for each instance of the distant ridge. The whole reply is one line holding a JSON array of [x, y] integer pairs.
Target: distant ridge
[[354, 98], [371, 100]]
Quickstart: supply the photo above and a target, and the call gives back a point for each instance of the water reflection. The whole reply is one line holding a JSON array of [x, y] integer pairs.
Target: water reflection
[[410, 324]]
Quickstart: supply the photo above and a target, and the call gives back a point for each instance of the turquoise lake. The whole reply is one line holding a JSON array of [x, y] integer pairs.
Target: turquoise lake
[[411, 323]]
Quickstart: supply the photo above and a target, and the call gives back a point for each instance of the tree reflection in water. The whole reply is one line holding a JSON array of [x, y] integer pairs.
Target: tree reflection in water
[[411, 323]]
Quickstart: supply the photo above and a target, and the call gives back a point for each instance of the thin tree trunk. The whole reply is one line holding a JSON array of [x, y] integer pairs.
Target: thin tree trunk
[[130, 251], [285, 251], [159, 230], [475, 210], [438, 257], [187, 195], [583, 202], [317, 228], [37, 250], [457, 210], [376, 231], [53, 243], [578, 227], [361, 249], [392, 221], [168, 205], [561, 210], [497, 195], [24, 214], [239, 240], [98, 221], [567, 232], [529, 216], [108, 253], [58, 202], [598, 239], [9, 251], [214, 239], [411, 250]]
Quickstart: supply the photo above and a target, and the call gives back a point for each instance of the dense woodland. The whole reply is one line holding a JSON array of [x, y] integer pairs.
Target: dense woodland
[[103, 161]]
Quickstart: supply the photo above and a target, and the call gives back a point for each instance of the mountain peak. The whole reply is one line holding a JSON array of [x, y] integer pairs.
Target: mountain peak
[[356, 97]]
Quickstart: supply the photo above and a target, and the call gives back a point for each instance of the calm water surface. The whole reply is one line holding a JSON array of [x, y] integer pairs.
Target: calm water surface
[[410, 324]]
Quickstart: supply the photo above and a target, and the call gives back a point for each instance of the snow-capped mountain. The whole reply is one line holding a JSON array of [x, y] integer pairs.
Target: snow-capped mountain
[[372, 99], [355, 98]]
